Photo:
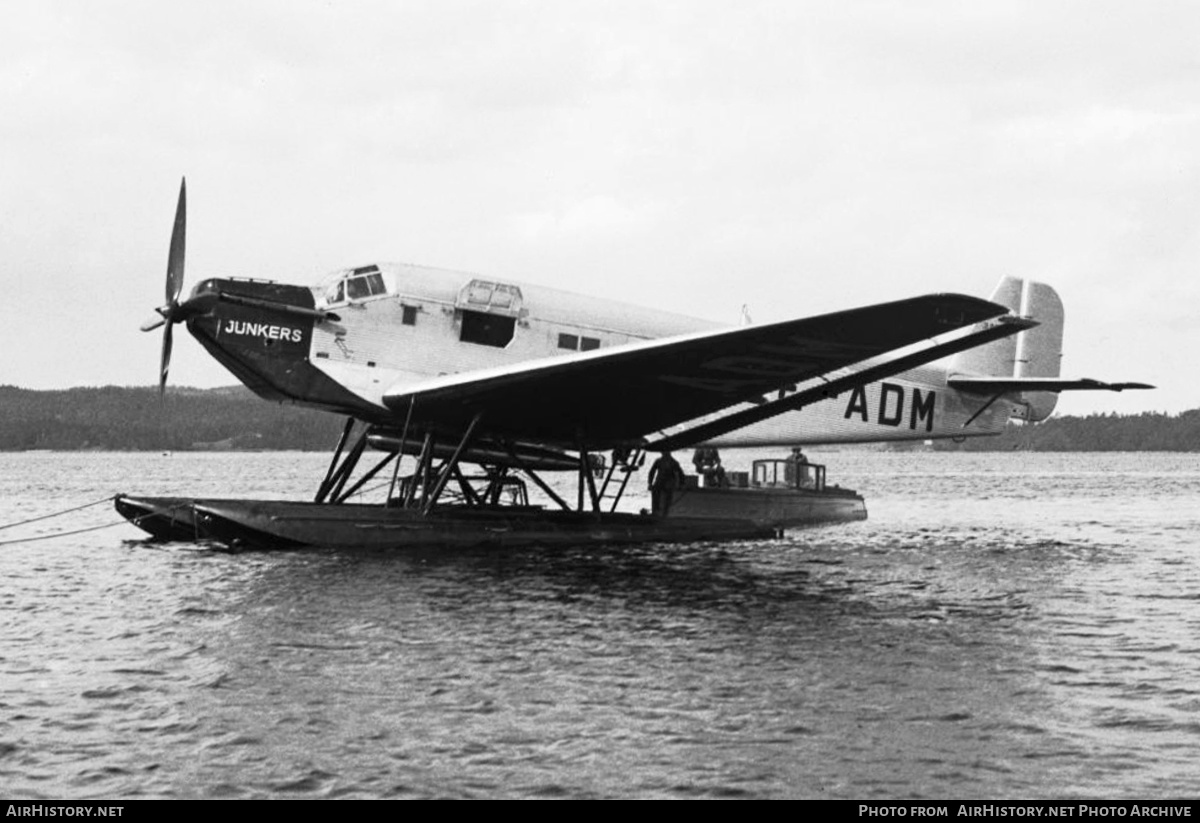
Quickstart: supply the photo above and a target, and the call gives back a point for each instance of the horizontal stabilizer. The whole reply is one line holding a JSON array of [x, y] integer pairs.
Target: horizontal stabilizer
[[999, 385]]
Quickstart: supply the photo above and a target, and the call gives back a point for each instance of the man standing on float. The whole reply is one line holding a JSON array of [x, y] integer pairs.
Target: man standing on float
[[666, 477]]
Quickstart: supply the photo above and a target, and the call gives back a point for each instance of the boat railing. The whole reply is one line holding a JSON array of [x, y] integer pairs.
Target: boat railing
[[787, 474]]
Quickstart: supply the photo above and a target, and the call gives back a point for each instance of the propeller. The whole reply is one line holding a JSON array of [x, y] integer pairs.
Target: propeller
[[170, 312], [173, 311]]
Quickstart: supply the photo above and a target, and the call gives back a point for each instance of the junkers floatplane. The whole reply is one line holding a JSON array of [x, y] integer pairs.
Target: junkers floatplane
[[518, 380]]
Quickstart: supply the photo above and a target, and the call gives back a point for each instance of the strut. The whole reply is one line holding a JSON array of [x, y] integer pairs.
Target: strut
[[450, 465], [337, 475]]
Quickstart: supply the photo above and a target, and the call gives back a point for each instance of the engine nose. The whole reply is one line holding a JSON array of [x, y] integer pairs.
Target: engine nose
[[262, 332], [251, 317], [244, 324]]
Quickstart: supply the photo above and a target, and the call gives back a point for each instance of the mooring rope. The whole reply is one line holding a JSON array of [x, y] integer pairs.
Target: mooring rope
[[134, 520], [108, 499], [66, 533]]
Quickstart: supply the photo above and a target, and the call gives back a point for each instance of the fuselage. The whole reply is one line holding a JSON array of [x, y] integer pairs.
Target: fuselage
[[392, 325]]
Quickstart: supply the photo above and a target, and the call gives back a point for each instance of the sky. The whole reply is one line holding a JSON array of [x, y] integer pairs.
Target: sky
[[796, 157]]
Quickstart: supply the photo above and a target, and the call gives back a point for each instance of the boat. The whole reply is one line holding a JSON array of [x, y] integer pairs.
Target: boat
[[776, 493]]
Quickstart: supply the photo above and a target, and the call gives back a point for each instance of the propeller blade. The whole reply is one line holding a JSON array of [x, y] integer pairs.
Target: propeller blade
[[170, 313], [178, 236], [165, 363], [153, 323]]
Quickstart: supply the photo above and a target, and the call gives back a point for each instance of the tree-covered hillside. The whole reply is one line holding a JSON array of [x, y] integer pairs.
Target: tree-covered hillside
[[1097, 432], [136, 419]]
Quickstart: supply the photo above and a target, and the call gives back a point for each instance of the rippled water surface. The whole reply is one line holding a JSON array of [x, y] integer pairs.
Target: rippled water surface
[[1008, 625]]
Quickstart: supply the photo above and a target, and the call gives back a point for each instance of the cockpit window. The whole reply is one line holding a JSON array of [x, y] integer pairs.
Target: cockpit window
[[356, 287]]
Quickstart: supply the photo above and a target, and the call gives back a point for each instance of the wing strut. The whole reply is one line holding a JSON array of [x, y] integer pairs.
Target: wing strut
[[400, 451], [586, 479]]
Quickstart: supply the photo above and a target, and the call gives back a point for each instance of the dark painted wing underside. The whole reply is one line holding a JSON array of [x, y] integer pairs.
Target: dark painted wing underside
[[621, 394]]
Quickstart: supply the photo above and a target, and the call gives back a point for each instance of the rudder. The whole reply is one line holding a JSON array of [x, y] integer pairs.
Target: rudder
[[1036, 352]]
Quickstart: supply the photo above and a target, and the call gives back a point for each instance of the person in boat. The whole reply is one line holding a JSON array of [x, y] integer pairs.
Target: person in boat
[[707, 461], [624, 457], [796, 471], [666, 477]]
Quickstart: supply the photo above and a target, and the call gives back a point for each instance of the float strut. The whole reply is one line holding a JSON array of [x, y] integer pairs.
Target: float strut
[[532, 475], [631, 465], [419, 471], [469, 493], [323, 489], [582, 469], [491, 495], [449, 467], [362, 481], [347, 467]]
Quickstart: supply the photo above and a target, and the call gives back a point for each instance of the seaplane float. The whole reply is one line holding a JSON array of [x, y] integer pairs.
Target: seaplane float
[[487, 385]]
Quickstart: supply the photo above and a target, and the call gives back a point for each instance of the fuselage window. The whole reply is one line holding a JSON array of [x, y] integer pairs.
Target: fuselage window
[[576, 343], [504, 296], [408, 315], [487, 329], [480, 292]]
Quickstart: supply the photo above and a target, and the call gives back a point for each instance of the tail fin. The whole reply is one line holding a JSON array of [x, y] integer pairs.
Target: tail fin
[[1036, 352]]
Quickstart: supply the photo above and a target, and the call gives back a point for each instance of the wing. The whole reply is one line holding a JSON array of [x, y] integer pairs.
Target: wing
[[695, 432], [619, 395]]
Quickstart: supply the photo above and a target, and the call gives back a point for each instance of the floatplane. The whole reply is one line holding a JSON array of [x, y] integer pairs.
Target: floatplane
[[517, 380]]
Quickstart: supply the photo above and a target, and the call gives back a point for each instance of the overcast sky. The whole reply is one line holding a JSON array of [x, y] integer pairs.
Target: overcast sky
[[799, 157]]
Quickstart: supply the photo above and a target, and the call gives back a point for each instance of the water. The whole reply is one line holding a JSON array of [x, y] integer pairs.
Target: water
[[1008, 625]]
